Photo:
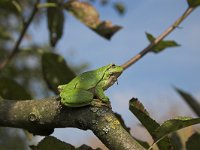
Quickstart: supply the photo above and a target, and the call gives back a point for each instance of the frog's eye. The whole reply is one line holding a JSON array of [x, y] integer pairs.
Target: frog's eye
[[113, 65]]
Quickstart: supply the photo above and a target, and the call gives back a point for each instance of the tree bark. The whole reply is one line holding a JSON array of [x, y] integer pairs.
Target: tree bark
[[42, 116]]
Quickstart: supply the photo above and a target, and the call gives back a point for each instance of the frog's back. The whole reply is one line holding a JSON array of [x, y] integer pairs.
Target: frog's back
[[88, 80]]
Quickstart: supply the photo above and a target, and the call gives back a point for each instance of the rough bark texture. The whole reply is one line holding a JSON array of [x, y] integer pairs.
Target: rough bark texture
[[42, 116]]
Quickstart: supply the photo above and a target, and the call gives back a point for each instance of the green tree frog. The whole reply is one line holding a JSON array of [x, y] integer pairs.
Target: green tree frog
[[89, 85]]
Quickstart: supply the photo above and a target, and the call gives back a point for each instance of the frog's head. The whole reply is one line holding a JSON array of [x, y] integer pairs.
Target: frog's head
[[111, 74]]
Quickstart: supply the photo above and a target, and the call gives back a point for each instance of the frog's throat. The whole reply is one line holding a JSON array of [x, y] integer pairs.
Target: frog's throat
[[110, 82]]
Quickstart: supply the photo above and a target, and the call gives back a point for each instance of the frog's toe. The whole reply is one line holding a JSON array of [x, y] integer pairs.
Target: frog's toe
[[100, 103], [105, 99]]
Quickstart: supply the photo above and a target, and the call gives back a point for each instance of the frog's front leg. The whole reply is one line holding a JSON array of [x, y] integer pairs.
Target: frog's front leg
[[99, 93], [76, 97]]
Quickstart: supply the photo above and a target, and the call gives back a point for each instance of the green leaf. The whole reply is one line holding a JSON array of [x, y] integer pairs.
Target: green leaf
[[161, 45], [88, 15], [52, 143], [55, 70], [173, 125], [86, 147], [151, 125], [106, 29], [56, 19], [140, 112], [3, 53], [84, 12], [4, 34], [193, 142], [176, 141], [11, 90], [11, 6], [193, 3], [119, 7], [192, 102]]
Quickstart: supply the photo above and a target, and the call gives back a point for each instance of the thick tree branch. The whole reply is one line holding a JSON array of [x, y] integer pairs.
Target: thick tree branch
[[42, 116]]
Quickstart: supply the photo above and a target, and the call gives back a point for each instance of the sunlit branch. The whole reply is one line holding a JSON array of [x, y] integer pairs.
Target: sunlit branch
[[157, 40]]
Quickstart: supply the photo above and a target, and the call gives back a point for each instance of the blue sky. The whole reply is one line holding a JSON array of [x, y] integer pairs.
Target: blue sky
[[152, 78]]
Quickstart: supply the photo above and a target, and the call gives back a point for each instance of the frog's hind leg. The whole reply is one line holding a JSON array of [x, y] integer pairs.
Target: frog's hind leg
[[76, 97]]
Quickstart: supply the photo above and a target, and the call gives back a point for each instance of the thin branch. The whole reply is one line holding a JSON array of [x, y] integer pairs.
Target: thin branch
[[42, 116], [157, 40], [18, 42]]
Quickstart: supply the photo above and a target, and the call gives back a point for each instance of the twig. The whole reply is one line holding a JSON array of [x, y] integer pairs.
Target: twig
[[157, 40], [23, 32]]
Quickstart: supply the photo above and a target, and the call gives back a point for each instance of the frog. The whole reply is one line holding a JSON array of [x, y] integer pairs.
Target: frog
[[90, 85]]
